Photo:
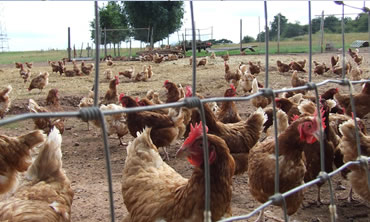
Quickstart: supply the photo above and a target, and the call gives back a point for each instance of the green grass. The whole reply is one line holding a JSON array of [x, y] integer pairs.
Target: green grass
[[293, 45]]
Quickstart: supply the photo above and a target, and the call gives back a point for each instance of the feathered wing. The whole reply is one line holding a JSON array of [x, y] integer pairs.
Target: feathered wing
[[46, 195], [357, 176], [40, 123], [5, 101], [146, 173], [15, 156]]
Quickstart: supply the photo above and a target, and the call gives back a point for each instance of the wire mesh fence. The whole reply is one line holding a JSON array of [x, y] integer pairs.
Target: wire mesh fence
[[94, 113]]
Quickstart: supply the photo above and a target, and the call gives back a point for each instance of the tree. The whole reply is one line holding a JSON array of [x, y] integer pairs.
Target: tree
[[261, 37], [274, 26], [332, 24], [111, 16], [248, 39], [316, 22], [293, 30], [162, 18]]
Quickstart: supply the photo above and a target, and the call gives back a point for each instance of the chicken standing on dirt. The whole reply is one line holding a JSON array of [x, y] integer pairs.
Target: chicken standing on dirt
[[232, 77], [240, 137], [164, 128], [261, 163], [357, 176], [53, 105], [15, 156], [320, 69], [254, 69], [334, 60], [39, 82], [296, 66], [29, 65], [5, 101], [282, 67], [259, 101], [128, 73], [154, 191], [358, 59], [86, 69], [87, 102], [228, 112], [111, 96], [173, 92], [312, 151], [203, 62], [297, 81], [142, 76], [116, 123], [361, 101], [46, 194]]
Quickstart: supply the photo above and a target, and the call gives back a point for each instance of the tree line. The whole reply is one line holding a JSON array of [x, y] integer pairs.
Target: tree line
[[153, 20], [332, 24]]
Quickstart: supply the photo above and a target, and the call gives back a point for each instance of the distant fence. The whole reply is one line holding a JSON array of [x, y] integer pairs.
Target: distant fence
[[94, 113]]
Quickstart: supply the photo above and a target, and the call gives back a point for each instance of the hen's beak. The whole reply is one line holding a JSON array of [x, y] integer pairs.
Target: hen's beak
[[183, 152]]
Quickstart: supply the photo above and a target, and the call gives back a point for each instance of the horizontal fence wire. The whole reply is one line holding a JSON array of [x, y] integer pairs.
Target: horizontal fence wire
[[95, 113]]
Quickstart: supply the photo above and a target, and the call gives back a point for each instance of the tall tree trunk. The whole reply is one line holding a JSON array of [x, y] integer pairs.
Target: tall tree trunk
[[119, 46], [114, 49]]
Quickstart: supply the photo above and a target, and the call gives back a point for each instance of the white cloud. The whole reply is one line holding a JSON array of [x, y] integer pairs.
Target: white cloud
[[43, 25]]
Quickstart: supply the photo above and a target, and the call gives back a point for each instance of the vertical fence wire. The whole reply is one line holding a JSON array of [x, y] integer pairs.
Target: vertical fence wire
[[207, 195], [343, 46], [99, 113], [310, 43], [267, 47], [97, 54]]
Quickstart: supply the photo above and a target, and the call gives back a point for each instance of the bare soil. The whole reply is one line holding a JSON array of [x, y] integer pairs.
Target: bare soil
[[83, 154]]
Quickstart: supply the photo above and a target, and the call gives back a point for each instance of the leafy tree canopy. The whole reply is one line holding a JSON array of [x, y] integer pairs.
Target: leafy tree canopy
[[111, 16], [162, 18]]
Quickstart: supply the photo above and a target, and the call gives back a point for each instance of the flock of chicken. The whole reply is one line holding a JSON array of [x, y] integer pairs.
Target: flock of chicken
[[151, 189]]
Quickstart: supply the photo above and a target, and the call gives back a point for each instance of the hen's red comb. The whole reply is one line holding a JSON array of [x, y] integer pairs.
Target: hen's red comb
[[165, 82], [189, 91], [322, 111], [295, 117], [137, 99], [121, 96], [232, 87], [337, 90], [195, 132]]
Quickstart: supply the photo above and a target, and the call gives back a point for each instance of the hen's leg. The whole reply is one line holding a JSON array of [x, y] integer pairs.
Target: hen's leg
[[348, 197], [166, 153]]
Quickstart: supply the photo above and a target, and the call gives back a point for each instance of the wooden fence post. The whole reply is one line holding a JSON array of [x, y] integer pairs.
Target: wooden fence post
[[322, 32], [241, 35], [82, 46], [278, 35], [69, 44]]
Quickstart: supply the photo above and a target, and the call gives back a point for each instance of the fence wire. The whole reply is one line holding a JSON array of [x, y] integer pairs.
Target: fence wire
[[94, 113]]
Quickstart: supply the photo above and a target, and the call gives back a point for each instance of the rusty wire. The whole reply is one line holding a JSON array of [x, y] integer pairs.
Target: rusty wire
[[95, 113]]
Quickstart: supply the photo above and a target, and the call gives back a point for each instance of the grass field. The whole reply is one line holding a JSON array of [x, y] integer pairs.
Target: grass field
[[293, 45]]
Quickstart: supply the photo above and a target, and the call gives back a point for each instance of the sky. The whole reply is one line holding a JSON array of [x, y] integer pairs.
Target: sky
[[43, 25]]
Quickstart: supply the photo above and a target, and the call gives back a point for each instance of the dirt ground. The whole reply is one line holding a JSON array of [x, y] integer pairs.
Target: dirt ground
[[83, 154]]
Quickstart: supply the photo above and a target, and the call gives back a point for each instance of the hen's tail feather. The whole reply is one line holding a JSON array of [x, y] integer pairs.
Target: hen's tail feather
[[49, 159], [33, 106], [32, 139], [6, 91]]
